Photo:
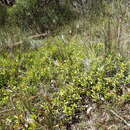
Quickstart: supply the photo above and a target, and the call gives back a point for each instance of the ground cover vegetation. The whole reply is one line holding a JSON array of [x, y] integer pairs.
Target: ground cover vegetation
[[65, 65]]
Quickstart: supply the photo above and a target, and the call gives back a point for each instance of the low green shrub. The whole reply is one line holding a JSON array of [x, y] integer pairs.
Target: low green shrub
[[50, 87]]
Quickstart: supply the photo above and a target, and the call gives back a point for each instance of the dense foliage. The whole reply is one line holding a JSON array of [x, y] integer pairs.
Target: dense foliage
[[49, 86], [64, 64]]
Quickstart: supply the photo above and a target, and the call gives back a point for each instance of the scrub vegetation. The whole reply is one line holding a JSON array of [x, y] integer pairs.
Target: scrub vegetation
[[65, 65]]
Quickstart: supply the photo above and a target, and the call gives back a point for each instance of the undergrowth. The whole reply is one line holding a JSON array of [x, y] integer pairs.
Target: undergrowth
[[79, 76], [50, 87]]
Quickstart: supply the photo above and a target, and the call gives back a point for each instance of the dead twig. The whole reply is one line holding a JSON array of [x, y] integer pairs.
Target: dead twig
[[128, 124], [43, 35]]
